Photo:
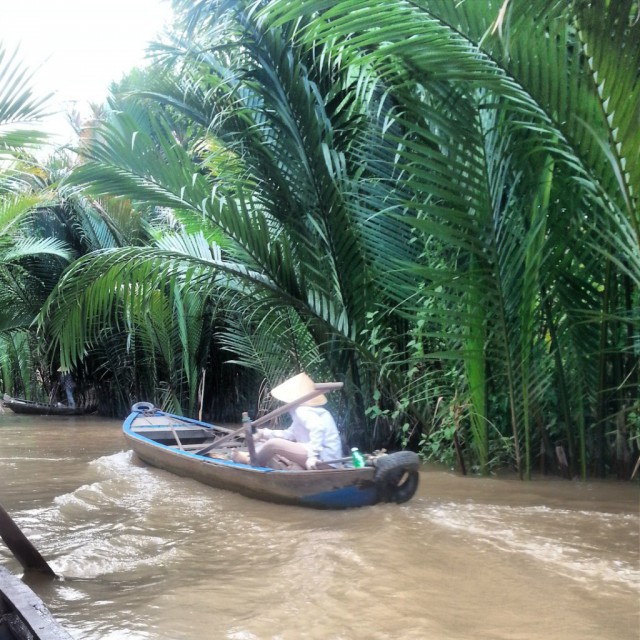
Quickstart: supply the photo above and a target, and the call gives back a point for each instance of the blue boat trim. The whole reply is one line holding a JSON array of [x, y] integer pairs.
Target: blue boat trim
[[345, 498]]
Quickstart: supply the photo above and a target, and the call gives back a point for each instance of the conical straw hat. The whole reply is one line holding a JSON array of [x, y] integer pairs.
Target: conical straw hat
[[295, 388]]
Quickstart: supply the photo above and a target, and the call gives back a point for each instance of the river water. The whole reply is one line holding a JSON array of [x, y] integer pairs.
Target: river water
[[143, 554]]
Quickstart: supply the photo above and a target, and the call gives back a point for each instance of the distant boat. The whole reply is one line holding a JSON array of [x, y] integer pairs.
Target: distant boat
[[44, 409], [23, 616], [198, 450]]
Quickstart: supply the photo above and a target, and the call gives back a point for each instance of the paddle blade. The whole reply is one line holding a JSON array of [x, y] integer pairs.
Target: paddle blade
[[26, 554]]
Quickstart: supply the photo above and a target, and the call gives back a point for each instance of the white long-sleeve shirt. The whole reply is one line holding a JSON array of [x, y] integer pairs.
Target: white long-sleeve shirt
[[316, 429]]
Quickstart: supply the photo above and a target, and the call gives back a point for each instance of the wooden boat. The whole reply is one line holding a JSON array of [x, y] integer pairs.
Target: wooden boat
[[23, 616], [201, 451], [44, 409]]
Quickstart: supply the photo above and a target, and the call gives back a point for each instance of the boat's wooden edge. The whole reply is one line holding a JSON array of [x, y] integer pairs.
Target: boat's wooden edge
[[16, 596], [219, 457], [139, 427]]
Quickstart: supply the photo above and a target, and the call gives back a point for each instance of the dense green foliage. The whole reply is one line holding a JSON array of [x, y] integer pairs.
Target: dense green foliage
[[434, 202]]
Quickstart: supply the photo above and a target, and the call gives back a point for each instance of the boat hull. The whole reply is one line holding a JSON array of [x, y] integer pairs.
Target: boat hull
[[157, 441], [23, 616], [29, 407]]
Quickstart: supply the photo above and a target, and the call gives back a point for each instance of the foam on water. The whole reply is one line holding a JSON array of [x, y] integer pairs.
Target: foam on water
[[109, 555], [104, 528], [577, 544]]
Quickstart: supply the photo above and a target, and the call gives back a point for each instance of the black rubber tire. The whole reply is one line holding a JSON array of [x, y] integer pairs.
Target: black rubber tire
[[397, 476], [142, 407]]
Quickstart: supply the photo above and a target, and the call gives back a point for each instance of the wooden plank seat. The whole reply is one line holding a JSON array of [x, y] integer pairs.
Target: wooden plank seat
[[202, 445], [190, 447]]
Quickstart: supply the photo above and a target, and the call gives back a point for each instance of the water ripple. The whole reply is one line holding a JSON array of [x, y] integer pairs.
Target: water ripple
[[582, 545]]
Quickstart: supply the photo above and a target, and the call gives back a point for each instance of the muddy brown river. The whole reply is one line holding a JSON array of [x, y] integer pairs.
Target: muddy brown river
[[145, 555]]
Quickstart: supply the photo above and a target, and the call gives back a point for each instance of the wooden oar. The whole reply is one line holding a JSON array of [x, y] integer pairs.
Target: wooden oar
[[249, 431], [26, 554], [319, 389]]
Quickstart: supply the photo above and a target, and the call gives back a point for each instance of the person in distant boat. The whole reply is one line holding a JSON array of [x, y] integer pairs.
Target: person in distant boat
[[68, 384], [312, 438]]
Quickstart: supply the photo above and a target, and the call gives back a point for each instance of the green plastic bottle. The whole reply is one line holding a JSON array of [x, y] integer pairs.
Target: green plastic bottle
[[358, 458]]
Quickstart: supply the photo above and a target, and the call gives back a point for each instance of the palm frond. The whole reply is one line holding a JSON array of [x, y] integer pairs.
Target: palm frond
[[19, 107]]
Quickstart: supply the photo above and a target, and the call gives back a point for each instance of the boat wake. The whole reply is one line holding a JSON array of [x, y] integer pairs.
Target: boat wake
[[589, 547], [110, 526]]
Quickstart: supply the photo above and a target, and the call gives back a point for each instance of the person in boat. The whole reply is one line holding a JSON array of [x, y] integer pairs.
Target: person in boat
[[68, 384], [310, 440]]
